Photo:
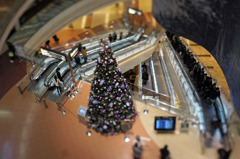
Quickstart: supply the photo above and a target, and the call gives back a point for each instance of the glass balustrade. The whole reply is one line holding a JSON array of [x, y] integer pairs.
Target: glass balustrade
[[89, 41], [189, 90]]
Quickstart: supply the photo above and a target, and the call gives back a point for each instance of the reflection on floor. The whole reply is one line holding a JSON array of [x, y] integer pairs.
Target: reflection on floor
[[10, 73], [29, 130]]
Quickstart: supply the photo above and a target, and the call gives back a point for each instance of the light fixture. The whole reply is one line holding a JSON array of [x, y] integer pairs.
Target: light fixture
[[89, 133], [194, 124], [126, 138], [63, 112], [75, 92], [72, 95], [134, 11], [145, 111], [180, 119]]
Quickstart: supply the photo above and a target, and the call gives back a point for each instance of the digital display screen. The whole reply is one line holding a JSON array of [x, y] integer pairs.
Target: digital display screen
[[164, 123], [82, 111]]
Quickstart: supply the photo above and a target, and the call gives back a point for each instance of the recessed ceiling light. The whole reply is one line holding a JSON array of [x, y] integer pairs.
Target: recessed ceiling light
[[126, 138]]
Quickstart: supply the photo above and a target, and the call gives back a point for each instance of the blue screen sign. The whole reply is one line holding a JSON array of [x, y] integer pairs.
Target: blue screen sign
[[165, 123]]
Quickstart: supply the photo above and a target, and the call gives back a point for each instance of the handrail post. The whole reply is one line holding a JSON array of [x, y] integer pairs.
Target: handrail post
[[37, 97], [20, 90], [45, 103]]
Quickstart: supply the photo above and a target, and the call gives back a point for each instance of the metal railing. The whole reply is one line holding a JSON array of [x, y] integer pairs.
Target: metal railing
[[167, 76], [89, 41], [227, 107], [24, 83], [186, 84], [157, 100]]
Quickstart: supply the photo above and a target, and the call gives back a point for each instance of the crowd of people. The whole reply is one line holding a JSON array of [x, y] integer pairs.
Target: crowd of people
[[204, 83], [138, 149], [47, 43], [113, 38]]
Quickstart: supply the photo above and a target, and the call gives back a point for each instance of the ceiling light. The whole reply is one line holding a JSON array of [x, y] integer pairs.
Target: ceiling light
[[145, 111], [126, 138], [89, 133], [75, 92], [63, 112]]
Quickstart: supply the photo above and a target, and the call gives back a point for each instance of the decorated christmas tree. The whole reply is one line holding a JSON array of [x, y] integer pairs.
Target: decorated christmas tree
[[110, 101]]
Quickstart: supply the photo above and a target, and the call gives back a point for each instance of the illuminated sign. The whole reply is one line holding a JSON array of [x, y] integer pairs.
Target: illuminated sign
[[74, 52], [52, 54], [134, 11]]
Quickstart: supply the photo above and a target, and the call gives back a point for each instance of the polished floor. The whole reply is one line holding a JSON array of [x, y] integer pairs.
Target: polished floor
[[29, 130]]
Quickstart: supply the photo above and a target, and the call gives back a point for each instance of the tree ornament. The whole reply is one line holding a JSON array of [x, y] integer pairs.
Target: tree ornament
[[108, 105], [116, 85], [101, 83]]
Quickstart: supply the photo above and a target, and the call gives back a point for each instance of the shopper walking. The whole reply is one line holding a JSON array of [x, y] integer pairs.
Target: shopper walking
[[137, 147], [12, 51], [78, 59], [47, 44], [144, 66], [110, 38], [59, 76], [120, 36], [114, 36], [79, 47], [56, 39], [85, 55], [165, 154], [58, 84], [144, 76]]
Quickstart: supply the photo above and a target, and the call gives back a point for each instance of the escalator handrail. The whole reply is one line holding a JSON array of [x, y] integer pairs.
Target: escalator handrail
[[92, 63], [95, 37], [42, 69], [50, 76], [184, 72]]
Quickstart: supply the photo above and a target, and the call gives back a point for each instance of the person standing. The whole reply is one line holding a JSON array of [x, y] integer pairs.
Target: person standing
[[59, 76], [120, 36], [56, 39], [137, 147], [78, 59], [110, 38], [165, 154], [101, 40], [144, 76], [47, 44], [85, 55], [114, 36], [12, 51], [79, 47], [58, 84], [144, 66]]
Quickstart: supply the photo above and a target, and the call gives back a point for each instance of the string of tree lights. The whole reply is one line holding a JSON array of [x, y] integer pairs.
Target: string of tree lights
[[110, 100]]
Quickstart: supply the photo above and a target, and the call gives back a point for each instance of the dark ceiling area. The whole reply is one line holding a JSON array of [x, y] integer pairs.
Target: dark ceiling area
[[213, 24]]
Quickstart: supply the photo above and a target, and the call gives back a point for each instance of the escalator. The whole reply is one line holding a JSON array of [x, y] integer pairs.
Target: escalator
[[118, 51], [38, 86], [42, 82]]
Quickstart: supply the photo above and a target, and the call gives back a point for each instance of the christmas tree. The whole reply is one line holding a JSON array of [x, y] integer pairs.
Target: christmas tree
[[110, 100]]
